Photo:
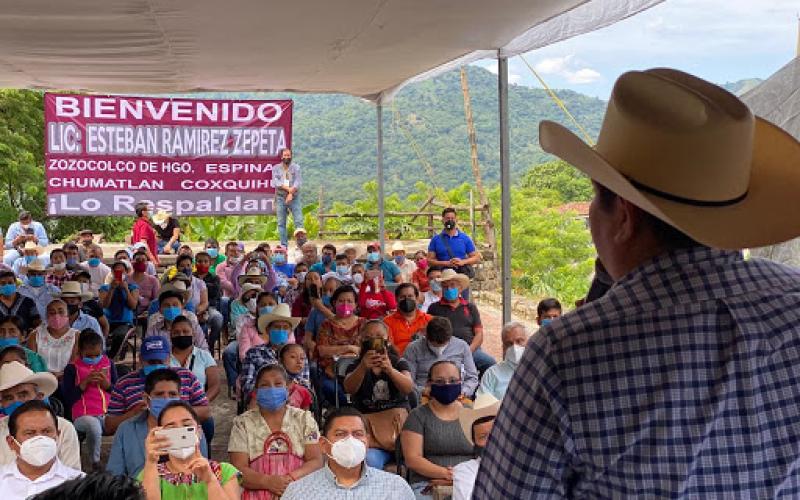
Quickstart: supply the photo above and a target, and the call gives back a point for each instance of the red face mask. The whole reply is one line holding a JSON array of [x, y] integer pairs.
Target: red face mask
[[140, 266], [202, 268]]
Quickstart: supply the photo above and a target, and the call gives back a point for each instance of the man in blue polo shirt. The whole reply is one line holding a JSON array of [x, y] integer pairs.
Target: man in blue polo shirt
[[452, 249]]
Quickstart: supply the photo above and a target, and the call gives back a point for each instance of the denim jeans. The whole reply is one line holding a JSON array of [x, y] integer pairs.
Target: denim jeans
[[208, 431], [281, 209], [163, 243], [378, 458], [230, 356], [482, 361], [215, 322], [93, 428]]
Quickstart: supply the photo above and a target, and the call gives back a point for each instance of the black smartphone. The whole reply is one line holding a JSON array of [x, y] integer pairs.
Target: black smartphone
[[29, 230], [313, 291], [377, 344]]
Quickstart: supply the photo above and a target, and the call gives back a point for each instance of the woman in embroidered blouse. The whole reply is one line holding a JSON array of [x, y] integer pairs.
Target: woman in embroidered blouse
[[186, 475], [54, 340]]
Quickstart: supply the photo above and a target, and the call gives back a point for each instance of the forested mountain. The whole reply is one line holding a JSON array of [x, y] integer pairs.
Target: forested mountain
[[335, 135]]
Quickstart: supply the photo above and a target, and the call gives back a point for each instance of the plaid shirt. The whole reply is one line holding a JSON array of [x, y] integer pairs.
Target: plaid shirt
[[262, 355], [680, 382]]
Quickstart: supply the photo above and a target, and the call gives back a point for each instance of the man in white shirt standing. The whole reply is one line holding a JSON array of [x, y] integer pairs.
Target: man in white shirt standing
[[33, 430], [476, 423]]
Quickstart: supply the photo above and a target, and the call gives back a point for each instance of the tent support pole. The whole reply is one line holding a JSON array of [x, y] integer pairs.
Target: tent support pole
[[381, 236], [505, 185]]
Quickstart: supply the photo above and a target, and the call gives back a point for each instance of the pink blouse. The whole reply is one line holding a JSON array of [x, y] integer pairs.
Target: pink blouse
[[249, 337]]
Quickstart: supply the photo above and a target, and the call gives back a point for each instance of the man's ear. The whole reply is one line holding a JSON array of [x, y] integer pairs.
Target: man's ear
[[12, 444], [628, 218]]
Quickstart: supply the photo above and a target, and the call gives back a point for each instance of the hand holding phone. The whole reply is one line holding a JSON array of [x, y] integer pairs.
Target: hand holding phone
[[178, 437]]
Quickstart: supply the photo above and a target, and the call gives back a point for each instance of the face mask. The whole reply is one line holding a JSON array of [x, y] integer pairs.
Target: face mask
[[38, 450], [72, 261], [73, 309], [358, 279], [60, 266], [92, 360], [187, 271], [399, 259], [36, 281], [514, 354], [407, 305], [373, 257], [422, 264], [182, 342], [344, 310], [8, 290], [327, 259], [202, 268], [438, 350], [287, 161], [164, 224], [157, 404], [234, 260], [265, 310], [251, 305], [348, 452], [182, 453], [450, 294], [8, 410], [271, 398], [279, 259], [94, 262], [342, 270], [25, 227], [212, 252], [8, 342], [546, 321], [58, 322], [445, 393], [140, 266], [436, 287], [301, 241], [170, 313], [301, 277], [449, 225], [278, 337], [326, 299]]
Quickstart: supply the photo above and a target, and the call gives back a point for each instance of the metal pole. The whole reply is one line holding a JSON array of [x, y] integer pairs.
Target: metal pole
[[381, 237], [505, 185]]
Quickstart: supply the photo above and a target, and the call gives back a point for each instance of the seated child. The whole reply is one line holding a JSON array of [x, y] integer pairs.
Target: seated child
[[292, 358]]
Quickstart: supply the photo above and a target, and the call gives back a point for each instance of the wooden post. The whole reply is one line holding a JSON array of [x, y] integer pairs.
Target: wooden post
[[320, 211]]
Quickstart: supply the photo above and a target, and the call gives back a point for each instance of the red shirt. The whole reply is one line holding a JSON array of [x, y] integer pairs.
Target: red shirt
[[142, 230], [375, 305]]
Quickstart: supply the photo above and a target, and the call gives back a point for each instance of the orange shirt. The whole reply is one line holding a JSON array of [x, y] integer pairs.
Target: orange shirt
[[401, 331]]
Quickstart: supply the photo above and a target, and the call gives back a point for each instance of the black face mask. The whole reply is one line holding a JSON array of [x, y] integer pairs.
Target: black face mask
[[287, 161], [73, 309], [449, 224], [407, 305], [182, 342]]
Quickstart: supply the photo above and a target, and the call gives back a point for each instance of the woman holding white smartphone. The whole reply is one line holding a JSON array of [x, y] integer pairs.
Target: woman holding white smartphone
[[186, 474]]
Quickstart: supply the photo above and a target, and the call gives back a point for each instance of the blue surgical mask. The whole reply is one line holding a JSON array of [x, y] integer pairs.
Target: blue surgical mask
[[148, 369], [94, 262], [326, 299], [29, 258], [8, 410], [8, 290], [399, 259], [271, 398], [265, 310], [373, 257], [170, 313], [157, 405], [8, 342], [92, 360], [546, 321], [278, 337], [327, 259], [450, 294], [436, 287], [36, 281], [279, 259], [72, 261], [212, 252]]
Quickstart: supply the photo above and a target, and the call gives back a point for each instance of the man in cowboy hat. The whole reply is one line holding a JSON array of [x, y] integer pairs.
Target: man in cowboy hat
[[73, 295], [30, 252], [18, 385], [169, 232], [34, 286], [407, 266], [23, 231], [680, 381], [476, 423], [463, 315]]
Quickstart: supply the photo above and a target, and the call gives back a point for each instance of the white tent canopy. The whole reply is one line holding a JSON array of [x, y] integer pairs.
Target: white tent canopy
[[367, 48]]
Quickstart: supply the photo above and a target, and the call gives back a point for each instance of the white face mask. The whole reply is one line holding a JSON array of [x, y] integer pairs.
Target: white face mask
[[348, 452], [184, 453], [438, 350], [38, 450], [358, 279], [60, 266], [251, 305], [514, 354]]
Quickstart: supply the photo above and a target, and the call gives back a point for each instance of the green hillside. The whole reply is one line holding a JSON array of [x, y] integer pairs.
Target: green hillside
[[334, 135]]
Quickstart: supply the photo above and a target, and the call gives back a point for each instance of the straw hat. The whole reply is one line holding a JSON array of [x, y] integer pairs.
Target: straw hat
[[161, 217], [177, 286], [484, 406], [31, 245], [280, 312], [451, 274], [249, 287], [36, 265], [252, 273], [299, 230], [14, 373], [693, 155], [72, 289], [398, 247]]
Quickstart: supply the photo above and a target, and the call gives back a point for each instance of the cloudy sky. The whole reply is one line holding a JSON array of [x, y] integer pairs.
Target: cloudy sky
[[720, 40]]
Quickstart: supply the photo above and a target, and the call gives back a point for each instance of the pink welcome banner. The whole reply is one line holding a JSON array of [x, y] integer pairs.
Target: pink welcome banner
[[103, 154]]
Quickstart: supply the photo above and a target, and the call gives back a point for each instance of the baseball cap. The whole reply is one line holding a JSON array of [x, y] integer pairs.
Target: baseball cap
[[155, 347]]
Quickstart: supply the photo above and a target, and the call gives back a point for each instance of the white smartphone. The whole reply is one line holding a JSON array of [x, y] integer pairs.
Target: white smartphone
[[179, 437]]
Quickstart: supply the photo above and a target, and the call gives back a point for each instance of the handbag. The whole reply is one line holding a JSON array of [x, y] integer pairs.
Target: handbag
[[383, 427], [466, 269]]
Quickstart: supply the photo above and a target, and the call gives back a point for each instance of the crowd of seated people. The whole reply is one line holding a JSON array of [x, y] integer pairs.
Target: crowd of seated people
[[381, 352]]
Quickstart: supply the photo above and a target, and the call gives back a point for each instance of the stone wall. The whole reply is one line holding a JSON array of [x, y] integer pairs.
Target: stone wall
[[487, 276]]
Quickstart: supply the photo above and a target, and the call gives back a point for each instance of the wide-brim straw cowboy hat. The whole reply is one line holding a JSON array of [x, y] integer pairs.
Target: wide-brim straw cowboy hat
[[37, 265], [249, 287], [252, 273], [451, 274], [30, 245], [280, 312], [72, 289], [14, 373], [693, 155], [161, 217], [484, 406]]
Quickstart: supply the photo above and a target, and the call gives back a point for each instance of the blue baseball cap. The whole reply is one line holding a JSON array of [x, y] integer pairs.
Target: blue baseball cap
[[155, 347]]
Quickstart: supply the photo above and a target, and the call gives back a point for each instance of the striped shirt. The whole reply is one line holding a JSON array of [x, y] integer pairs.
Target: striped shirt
[[680, 382], [128, 391]]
